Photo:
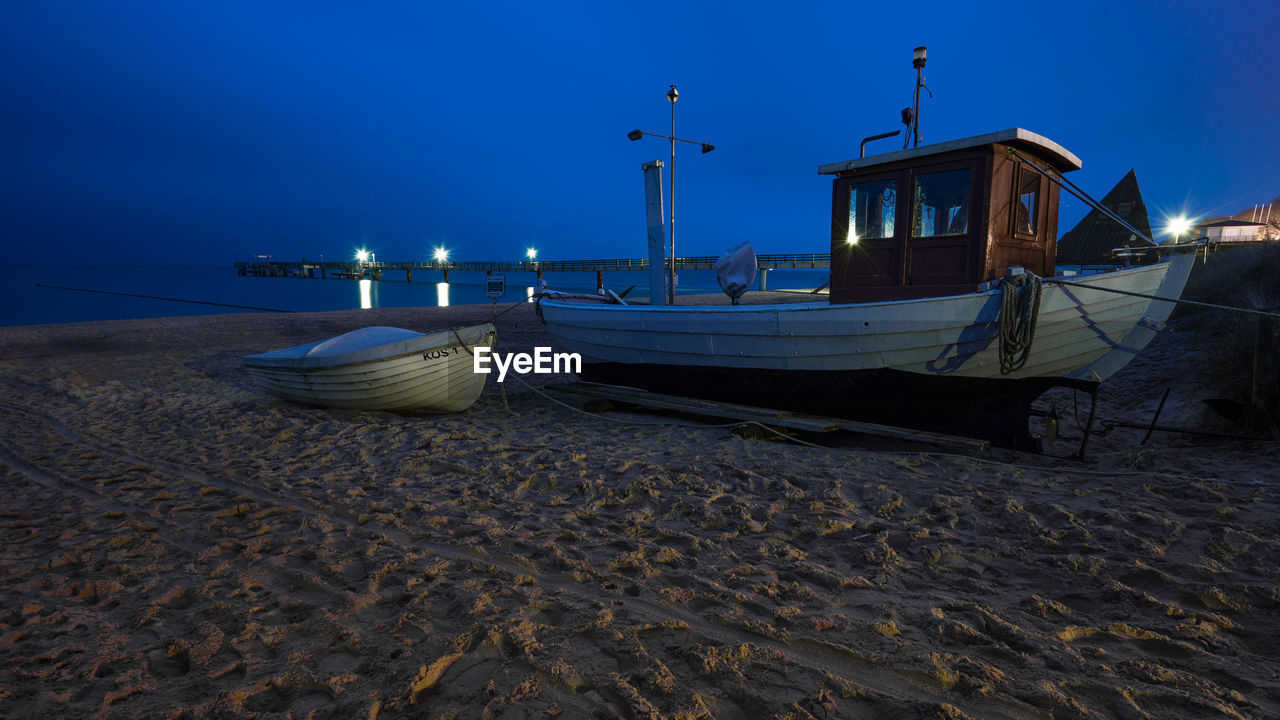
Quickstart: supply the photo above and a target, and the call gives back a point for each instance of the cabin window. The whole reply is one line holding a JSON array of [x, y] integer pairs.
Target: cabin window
[[942, 203], [1028, 204], [872, 208]]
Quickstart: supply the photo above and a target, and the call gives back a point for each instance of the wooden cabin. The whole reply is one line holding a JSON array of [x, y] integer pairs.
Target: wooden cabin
[[942, 219]]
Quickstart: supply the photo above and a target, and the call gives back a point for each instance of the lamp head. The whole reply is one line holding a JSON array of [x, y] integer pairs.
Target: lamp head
[[531, 253], [635, 135], [1178, 226], [918, 58], [672, 95], [707, 147]]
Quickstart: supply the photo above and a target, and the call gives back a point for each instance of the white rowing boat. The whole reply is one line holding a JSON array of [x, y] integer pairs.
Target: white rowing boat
[[379, 368]]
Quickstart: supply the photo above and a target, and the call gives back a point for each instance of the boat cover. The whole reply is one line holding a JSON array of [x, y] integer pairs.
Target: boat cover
[[361, 339], [736, 270]]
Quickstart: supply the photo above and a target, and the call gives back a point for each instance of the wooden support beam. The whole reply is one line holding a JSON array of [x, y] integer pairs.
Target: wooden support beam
[[749, 413]]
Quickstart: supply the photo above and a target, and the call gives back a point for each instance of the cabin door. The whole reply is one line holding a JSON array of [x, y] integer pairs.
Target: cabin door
[[866, 246]]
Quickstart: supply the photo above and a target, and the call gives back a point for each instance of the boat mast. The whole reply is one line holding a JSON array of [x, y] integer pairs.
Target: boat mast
[[917, 61]]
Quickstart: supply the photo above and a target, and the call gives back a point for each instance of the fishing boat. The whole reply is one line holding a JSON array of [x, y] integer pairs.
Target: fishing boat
[[379, 368], [944, 311]]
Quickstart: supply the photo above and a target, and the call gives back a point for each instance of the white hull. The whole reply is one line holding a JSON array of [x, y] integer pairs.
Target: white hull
[[410, 372], [1145, 330], [946, 336]]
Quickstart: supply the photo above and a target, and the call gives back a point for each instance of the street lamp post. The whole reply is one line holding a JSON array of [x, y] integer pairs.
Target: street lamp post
[[672, 96]]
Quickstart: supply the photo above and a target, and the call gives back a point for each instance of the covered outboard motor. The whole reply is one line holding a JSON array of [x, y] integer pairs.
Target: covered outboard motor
[[736, 270]]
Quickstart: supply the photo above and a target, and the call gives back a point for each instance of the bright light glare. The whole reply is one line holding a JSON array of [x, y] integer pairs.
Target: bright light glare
[[531, 253], [853, 237], [366, 294], [441, 255], [1178, 226], [362, 255]]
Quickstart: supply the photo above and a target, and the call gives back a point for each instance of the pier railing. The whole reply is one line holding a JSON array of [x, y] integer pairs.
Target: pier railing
[[355, 268]]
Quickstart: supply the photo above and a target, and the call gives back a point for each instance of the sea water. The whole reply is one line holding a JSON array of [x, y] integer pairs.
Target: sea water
[[38, 294]]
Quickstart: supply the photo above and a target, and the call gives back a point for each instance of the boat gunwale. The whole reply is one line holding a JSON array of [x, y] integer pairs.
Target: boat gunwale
[[387, 352], [818, 306]]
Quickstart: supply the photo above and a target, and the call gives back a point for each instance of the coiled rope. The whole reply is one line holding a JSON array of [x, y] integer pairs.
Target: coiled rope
[[1019, 310]]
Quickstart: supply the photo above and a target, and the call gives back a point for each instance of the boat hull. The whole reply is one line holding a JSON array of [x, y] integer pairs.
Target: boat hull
[[953, 336], [930, 363], [431, 373]]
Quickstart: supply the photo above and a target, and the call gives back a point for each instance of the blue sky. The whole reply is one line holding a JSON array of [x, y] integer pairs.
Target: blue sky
[[190, 133]]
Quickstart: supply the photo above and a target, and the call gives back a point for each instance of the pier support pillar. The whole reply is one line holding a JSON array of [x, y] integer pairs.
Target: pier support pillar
[[599, 280], [322, 274], [539, 274], [446, 275], [764, 273], [408, 274]]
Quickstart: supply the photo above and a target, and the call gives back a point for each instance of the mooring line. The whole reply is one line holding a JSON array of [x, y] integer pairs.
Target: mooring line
[[1180, 301], [158, 297]]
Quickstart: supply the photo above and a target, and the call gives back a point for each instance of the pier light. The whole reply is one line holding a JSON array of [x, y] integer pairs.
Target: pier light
[[1178, 226], [441, 255], [852, 239], [531, 253], [362, 255]]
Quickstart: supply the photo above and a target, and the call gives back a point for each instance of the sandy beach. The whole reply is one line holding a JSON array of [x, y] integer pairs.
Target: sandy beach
[[178, 544]]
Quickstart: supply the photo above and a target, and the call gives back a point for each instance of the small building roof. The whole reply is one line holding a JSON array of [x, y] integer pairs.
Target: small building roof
[[1058, 156], [1233, 223]]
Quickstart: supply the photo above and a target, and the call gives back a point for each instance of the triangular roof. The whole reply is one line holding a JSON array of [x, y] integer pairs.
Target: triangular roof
[[1090, 242]]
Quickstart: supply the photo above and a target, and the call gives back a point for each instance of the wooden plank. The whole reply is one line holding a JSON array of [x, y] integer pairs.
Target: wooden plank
[[745, 413], [781, 418]]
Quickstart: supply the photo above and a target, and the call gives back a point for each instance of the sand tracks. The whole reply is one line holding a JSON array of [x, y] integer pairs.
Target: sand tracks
[[177, 545]]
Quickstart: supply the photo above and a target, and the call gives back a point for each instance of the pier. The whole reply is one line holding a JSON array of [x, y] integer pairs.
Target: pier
[[360, 270]]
